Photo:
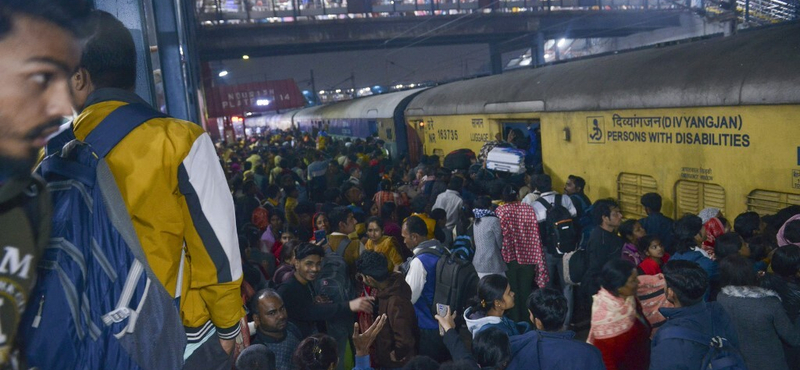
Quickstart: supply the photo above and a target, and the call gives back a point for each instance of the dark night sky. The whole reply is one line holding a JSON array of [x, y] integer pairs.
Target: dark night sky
[[371, 67]]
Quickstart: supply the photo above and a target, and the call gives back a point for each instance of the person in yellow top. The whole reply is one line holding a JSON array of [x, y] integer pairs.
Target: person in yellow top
[[383, 244], [176, 194], [291, 203], [418, 206]]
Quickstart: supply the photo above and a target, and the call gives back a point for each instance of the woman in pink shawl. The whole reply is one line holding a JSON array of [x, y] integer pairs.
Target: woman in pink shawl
[[782, 240], [714, 228]]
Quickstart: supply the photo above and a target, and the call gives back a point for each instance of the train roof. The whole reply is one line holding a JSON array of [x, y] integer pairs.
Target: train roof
[[376, 106], [750, 68]]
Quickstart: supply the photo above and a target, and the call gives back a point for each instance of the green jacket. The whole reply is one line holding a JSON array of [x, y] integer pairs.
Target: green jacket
[[24, 234]]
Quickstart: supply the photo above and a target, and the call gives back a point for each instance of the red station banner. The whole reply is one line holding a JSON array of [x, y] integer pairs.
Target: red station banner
[[267, 96]]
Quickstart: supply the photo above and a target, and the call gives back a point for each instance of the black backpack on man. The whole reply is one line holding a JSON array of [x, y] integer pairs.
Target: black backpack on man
[[559, 232]]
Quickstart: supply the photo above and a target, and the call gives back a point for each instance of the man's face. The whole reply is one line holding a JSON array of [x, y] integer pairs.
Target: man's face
[[354, 195], [349, 225], [411, 240], [271, 316], [37, 59], [570, 187], [615, 219], [308, 268]]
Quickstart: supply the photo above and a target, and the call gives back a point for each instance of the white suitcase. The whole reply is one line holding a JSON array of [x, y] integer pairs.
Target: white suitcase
[[506, 160]]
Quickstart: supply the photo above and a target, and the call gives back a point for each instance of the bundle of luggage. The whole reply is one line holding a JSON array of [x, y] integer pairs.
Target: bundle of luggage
[[506, 160]]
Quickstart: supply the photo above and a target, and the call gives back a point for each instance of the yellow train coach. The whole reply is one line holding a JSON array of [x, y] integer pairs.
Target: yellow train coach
[[713, 123]]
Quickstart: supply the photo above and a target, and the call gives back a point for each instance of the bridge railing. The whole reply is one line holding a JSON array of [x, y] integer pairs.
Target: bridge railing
[[213, 12]]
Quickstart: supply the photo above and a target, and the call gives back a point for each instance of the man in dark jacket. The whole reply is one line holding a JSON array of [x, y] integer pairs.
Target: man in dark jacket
[[604, 243], [548, 347], [273, 328], [39, 50], [687, 283], [395, 344], [307, 310], [656, 223]]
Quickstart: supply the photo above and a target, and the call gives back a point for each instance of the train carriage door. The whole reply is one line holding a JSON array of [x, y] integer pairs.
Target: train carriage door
[[414, 130], [531, 142]]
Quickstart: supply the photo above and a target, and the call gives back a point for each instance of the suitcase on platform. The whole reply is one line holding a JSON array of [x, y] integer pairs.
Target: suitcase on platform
[[506, 160]]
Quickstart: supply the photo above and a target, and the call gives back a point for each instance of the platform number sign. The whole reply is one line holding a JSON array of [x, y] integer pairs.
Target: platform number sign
[[595, 130], [796, 179]]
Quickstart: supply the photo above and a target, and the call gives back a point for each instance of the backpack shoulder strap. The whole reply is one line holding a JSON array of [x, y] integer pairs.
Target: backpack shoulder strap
[[343, 246], [558, 200], [118, 124], [675, 332], [547, 205]]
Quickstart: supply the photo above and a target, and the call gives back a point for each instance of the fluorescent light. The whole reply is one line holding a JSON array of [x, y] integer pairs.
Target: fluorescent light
[[561, 43], [223, 73], [245, 57], [262, 102]]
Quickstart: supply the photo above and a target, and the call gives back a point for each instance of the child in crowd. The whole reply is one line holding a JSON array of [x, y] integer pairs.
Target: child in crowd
[[650, 246], [631, 231]]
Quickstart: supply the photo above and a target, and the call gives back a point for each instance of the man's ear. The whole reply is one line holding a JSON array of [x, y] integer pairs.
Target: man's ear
[[81, 80]]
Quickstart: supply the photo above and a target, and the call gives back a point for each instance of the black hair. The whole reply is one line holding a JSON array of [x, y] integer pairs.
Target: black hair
[[626, 228], [652, 201], [289, 189], [304, 207], [615, 274], [387, 209], [687, 279], [283, 163], [786, 261], [602, 208], [483, 202], [331, 195], [438, 214], [376, 220], [277, 212], [287, 251], [353, 170], [109, 54], [256, 357], [273, 190], [337, 216], [69, 15], [317, 352], [737, 271], [490, 288], [346, 186], [456, 183], [747, 224], [421, 363], [727, 244], [385, 184], [549, 306], [685, 229], [306, 249], [509, 194], [415, 225], [792, 231], [458, 365], [492, 349], [578, 181], [760, 247], [289, 229], [644, 243], [542, 182], [419, 203], [374, 264]]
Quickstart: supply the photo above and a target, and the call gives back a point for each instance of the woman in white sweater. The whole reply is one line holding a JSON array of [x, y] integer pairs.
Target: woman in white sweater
[[488, 239]]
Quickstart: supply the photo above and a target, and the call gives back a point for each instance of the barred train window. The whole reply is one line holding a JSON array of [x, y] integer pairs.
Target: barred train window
[[630, 188], [766, 202], [692, 197]]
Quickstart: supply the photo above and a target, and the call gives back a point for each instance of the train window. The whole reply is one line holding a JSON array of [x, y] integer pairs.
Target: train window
[[692, 197], [766, 202], [630, 188]]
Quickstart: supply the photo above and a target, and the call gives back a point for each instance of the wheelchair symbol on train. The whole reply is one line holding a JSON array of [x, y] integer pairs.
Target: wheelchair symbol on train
[[595, 126]]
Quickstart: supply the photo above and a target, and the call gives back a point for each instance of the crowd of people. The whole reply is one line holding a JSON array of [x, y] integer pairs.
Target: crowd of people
[[294, 250], [382, 214]]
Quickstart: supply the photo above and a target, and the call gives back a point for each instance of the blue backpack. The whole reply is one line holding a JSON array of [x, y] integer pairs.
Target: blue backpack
[[97, 303], [721, 353]]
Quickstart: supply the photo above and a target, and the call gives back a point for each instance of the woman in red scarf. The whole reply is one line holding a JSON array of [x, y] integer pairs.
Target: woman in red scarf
[[619, 329], [714, 228]]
